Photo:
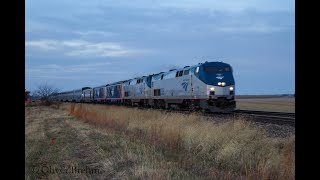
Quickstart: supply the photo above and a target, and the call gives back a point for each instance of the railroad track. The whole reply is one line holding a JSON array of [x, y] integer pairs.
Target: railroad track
[[270, 117], [281, 118]]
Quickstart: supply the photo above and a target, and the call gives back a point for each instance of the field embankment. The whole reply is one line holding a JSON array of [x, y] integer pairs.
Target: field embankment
[[276, 104], [131, 143]]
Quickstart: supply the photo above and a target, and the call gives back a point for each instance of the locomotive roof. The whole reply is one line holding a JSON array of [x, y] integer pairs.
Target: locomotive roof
[[115, 83], [217, 63], [84, 88], [101, 86]]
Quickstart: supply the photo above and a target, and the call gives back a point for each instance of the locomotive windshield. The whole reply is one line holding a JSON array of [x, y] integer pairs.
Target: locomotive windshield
[[216, 69]]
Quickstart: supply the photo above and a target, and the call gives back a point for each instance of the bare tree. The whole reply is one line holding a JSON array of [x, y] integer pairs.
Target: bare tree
[[26, 94], [44, 91]]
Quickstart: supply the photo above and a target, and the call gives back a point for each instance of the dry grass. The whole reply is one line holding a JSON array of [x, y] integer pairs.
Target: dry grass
[[55, 139], [280, 104], [42, 103], [197, 145]]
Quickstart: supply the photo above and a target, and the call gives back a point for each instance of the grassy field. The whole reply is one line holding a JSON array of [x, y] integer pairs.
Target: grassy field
[[277, 104], [85, 141]]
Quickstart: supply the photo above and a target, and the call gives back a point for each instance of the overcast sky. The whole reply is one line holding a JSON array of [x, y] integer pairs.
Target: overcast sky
[[76, 43]]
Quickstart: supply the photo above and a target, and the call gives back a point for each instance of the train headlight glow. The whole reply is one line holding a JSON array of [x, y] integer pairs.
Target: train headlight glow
[[219, 83], [223, 83], [212, 89], [231, 88]]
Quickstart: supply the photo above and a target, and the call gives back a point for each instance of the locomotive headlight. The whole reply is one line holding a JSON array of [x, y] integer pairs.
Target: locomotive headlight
[[212, 89], [231, 88], [219, 83], [223, 83]]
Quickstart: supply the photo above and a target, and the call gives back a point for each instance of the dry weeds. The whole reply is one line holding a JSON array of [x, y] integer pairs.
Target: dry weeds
[[196, 144]]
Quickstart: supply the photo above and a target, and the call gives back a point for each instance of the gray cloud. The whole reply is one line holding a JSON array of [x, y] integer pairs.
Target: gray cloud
[[83, 48]]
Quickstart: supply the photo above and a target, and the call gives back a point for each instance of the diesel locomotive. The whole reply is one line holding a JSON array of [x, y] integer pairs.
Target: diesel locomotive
[[209, 86]]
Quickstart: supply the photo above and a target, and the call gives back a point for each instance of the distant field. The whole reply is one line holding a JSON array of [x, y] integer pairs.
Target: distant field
[[266, 103], [261, 96], [112, 142]]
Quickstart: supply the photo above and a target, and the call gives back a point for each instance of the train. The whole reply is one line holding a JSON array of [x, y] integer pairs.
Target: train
[[208, 86]]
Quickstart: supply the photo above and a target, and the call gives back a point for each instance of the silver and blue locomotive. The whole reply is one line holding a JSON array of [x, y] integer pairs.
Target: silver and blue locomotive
[[209, 86]]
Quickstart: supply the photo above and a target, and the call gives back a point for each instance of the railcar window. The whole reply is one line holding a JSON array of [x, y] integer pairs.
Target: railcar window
[[180, 73], [161, 76], [216, 69], [177, 74], [226, 69], [197, 69], [186, 72]]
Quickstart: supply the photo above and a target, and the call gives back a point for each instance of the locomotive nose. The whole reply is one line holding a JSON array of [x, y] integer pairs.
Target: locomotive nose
[[224, 91]]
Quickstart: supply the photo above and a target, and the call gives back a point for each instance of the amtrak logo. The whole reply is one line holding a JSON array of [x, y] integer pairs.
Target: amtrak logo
[[219, 76], [185, 85]]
